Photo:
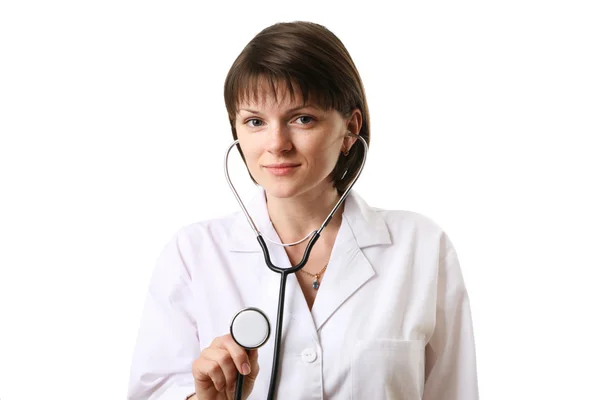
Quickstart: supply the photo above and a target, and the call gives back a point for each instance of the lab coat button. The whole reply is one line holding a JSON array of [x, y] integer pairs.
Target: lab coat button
[[309, 355]]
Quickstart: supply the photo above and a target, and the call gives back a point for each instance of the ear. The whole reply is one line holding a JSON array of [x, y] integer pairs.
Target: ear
[[353, 125]]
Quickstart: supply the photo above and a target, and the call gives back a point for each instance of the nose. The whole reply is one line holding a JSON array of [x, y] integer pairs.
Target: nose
[[278, 139]]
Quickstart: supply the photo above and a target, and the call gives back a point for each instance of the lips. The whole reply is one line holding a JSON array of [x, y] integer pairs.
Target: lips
[[282, 165], [281, 169]]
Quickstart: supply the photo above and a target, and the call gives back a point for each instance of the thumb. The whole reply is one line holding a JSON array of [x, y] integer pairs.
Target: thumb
[[254, 367], [251, 377]]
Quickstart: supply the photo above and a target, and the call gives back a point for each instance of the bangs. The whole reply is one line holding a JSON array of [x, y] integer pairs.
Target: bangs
[[254, 85]]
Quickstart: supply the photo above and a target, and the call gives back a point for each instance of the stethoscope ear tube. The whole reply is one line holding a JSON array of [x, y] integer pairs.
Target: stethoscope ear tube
[[327, 219]]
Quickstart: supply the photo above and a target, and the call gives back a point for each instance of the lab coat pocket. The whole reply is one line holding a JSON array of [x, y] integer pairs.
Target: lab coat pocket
[[388, 369]]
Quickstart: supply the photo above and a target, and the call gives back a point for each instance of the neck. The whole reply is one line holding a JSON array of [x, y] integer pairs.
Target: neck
[[294, 218]]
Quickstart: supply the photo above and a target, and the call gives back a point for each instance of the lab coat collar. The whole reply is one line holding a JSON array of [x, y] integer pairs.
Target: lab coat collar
[[368, 228]]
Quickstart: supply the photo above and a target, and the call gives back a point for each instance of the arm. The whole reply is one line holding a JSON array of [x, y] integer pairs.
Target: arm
[[450, 367], [167, 342]]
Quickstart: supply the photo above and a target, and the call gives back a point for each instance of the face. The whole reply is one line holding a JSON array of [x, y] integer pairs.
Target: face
[[291, 148]]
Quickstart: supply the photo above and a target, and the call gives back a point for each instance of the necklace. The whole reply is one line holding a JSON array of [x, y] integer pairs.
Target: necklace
[[316, 276]]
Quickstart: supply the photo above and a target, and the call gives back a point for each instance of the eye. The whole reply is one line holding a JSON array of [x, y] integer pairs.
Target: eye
[[254, 122], [305, 119]]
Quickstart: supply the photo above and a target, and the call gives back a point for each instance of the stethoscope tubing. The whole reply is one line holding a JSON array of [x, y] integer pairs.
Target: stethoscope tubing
[[284, 272]]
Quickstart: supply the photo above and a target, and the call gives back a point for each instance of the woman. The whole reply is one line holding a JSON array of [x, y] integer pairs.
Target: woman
[[380, 311]]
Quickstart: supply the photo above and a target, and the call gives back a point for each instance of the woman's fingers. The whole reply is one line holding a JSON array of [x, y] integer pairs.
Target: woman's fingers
[[224, 363], [238, 354], [217, 368], [208, 374]]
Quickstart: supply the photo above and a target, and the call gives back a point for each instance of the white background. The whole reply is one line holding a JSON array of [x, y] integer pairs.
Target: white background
[[485, 117]]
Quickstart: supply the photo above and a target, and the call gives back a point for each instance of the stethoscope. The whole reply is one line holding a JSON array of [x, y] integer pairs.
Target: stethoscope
[[250, 327]]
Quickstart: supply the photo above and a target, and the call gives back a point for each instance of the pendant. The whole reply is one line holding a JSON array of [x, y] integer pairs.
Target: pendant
[[316, 284]]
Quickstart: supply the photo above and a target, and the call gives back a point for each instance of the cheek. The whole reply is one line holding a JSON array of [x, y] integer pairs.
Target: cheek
[[325, 158], [249, 148], [250, 155]]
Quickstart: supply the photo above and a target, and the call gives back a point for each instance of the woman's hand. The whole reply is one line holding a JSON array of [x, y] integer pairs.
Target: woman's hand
[[215, 371]]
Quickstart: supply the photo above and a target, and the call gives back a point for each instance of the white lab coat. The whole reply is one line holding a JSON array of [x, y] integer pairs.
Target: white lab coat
[[390, 321]]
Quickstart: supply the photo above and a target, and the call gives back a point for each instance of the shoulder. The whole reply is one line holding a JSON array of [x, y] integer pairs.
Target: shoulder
[[209, 229], [212, 226], [417, 228], [409, 220], [213, 233]]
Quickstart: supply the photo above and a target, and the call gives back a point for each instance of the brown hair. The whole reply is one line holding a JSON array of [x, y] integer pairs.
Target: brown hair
[[313, 58]]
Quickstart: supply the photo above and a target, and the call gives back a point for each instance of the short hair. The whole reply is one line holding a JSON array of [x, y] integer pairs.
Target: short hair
[[311, 57]]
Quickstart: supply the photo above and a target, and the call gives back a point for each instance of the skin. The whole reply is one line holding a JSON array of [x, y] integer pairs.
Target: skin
[[311, 139]]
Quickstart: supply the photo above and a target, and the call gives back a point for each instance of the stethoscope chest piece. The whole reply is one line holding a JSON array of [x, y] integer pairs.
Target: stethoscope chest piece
[[250, 328]]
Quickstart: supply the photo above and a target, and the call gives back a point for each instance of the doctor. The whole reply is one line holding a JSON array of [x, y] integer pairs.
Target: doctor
[[379, 312]]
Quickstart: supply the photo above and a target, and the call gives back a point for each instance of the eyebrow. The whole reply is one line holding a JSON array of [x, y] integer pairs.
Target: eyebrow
[[288, 111]]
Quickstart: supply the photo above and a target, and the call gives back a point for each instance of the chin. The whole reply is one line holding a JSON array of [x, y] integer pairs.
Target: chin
[[289, 188], [282, 190]]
